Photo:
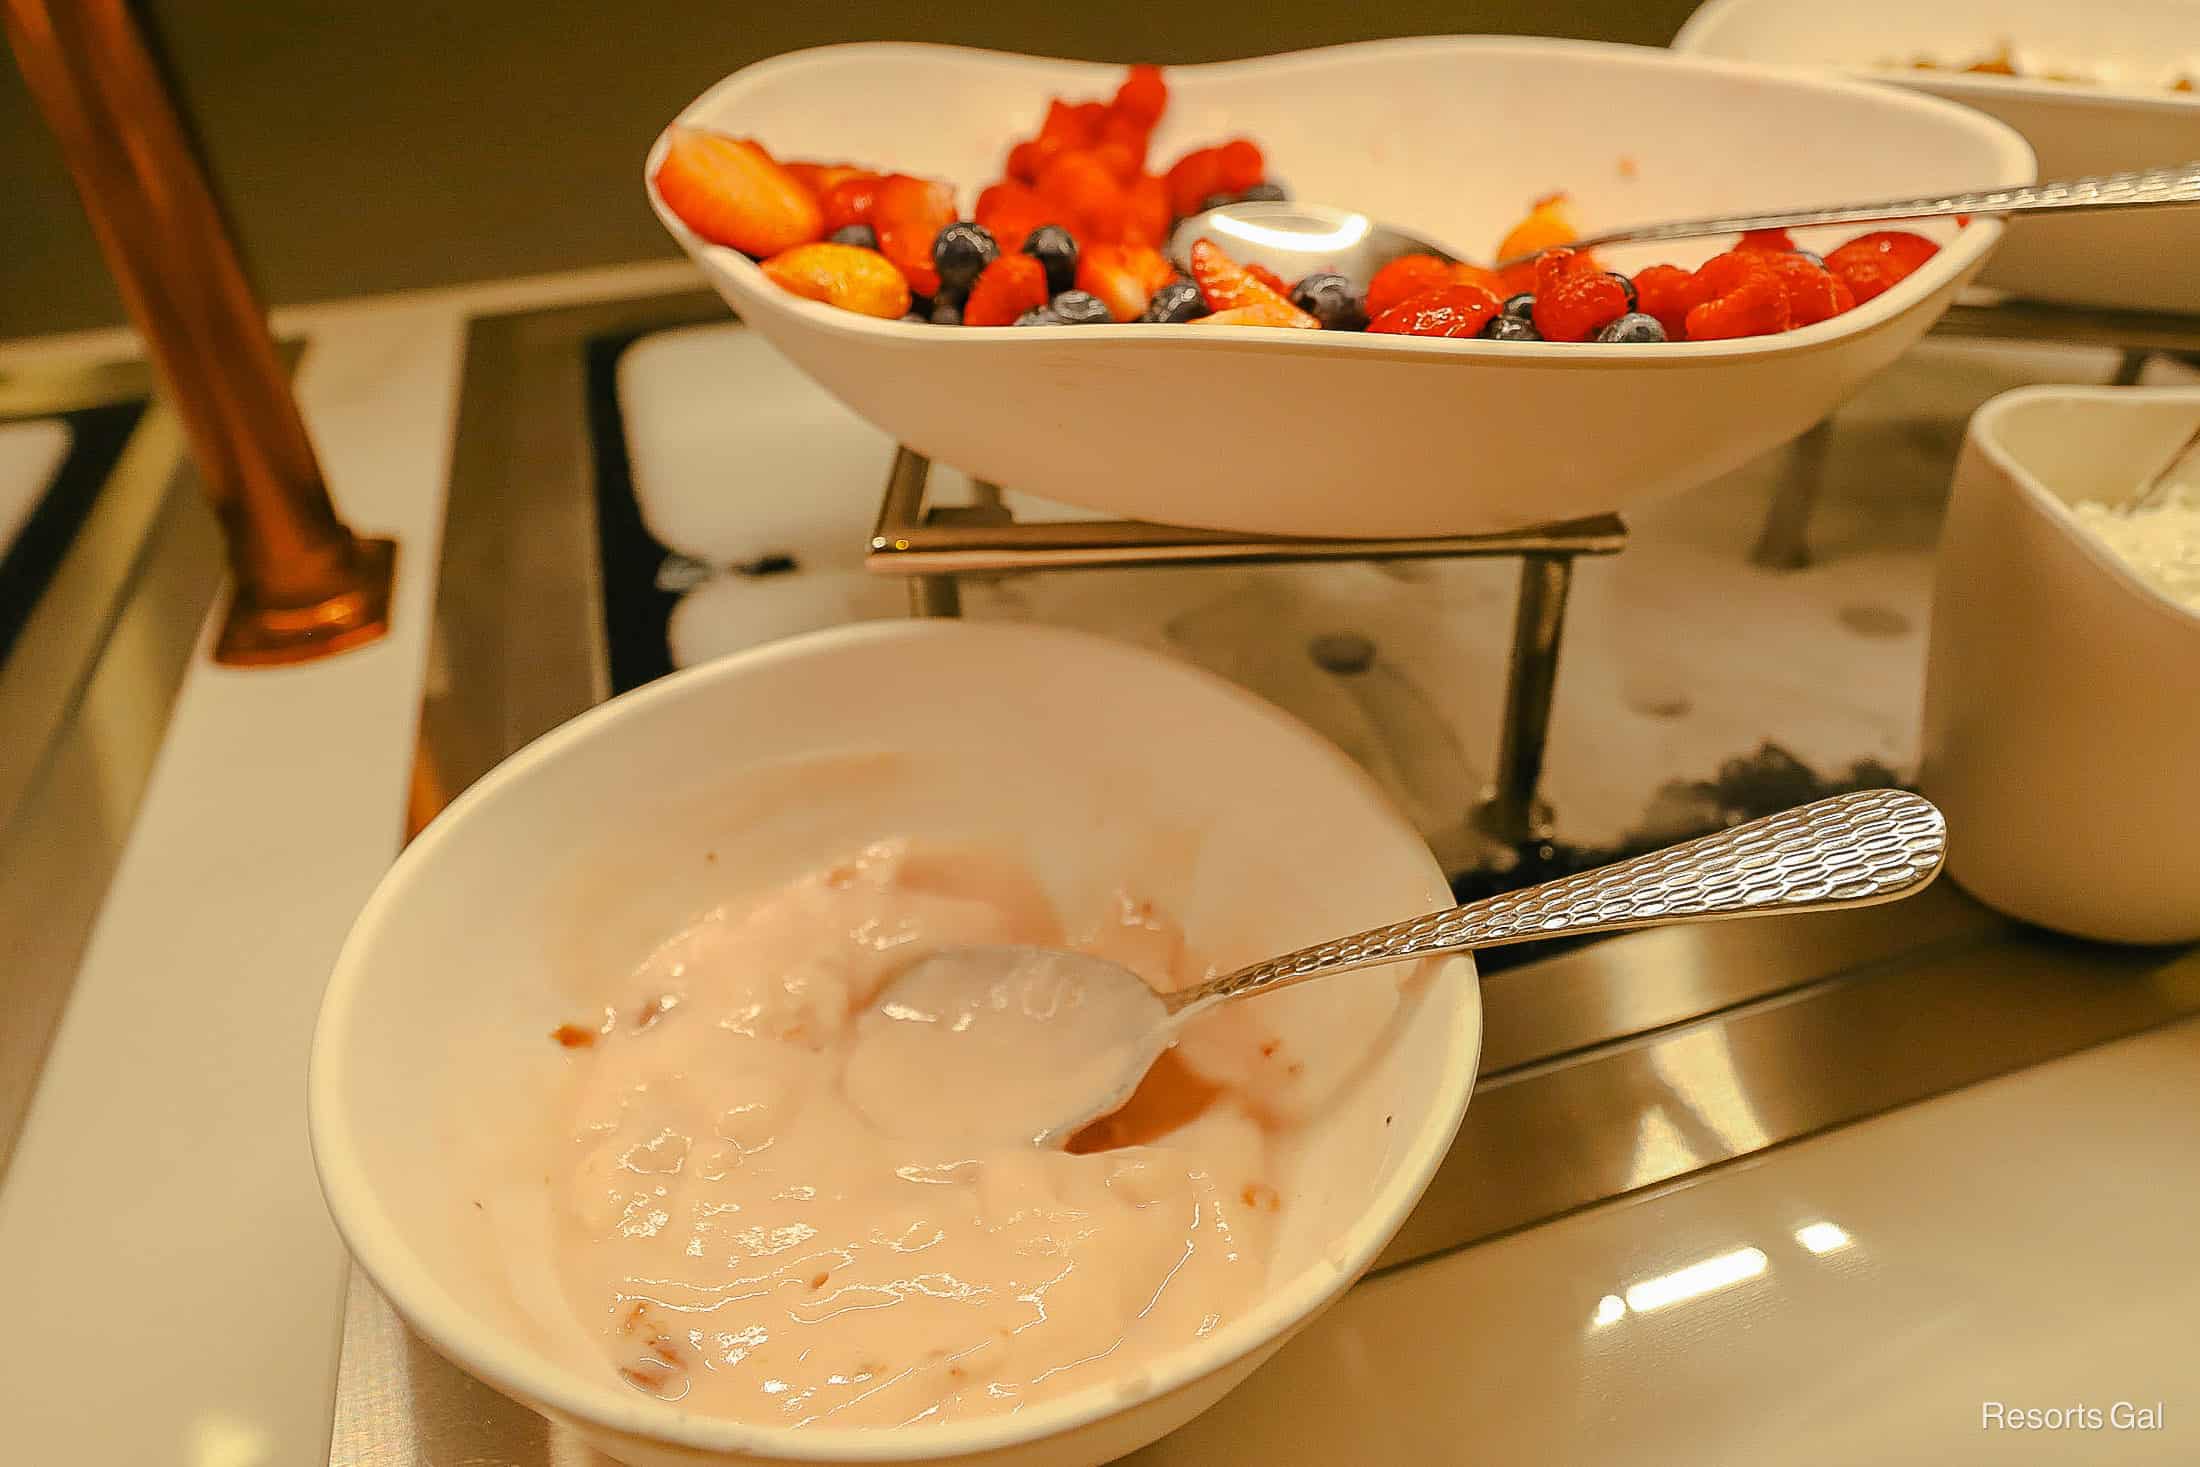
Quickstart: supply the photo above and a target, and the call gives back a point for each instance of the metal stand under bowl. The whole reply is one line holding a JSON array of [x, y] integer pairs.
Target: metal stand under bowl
[[932, 545]]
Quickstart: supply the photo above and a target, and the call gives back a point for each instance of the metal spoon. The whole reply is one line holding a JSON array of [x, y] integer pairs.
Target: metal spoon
[[1295, 239], [973, 1043]]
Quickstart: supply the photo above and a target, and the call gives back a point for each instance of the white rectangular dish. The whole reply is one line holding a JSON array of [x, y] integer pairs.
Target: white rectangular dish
[[2129, 118]]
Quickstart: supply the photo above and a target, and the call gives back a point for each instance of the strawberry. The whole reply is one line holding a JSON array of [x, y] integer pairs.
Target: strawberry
[[1027, 158], [1240, 165], [1743, 296], [1010, 211], [1874, 263], [1070, 125], [1669, 293], [822, 178], [1572, 304], [1080, 186], [730, 192], [1148, 221], [1814, 294], [1007, 288], [1121, 161], [1281, 313], [1270, 279], [908, 215], [851, 200], [1123, 276], [1448, 310], [1402, 279], [1127, 133], [1193, 179], [847, 276], [1143, 96], [1227, 285], [1767, 239]]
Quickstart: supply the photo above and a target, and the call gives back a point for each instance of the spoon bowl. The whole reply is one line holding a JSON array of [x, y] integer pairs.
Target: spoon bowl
[[1060, 1039]]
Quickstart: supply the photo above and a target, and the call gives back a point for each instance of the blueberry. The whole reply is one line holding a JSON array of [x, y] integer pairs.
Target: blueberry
[[1510, 328], [1079, 308], [1627, 285], [1269, 192], [1176, 302], [913, 316], [947, 311], [1633, 329], [863, 236], [1331, 300], [1052, 246], [1039, 316], [959, 252], [1521, 307], [1815, 259]]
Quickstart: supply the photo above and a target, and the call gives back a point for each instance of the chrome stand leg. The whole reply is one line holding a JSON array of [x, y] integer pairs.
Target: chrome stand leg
[[1512, 813], [934, 596], [1784, 543], [2130, 367]]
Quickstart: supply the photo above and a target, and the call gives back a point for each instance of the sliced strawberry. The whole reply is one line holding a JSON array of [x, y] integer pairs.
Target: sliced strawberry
[[1123, 276], [1448, 310], [1743, 296], [1027, 159], [847, 276], [1010, 211], [851, 201], [1669, 293], [1572, 304], [1148, 222], [1240, 165], [1814, 294], [1069, 126], [822, 178], [1766, 239], [1193, 179], [909, 214], [1081, 186], [1005, 289], [1121, 161], [1270, 279], [1872, 264], [1228, 285], [730, 192], [1279, 313], [1402, 279], [1143, 96]]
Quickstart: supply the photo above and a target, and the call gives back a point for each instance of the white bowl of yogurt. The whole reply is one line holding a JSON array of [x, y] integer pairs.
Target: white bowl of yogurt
[[576, 1094], [2062, 692]]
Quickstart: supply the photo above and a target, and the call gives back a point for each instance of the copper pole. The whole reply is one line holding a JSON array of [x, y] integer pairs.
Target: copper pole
[[305, 585]]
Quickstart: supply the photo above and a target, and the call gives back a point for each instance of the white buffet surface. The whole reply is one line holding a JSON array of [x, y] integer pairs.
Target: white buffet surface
[[175, 1290]]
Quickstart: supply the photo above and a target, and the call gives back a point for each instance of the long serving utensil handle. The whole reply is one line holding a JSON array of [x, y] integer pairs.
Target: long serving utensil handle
[[2143, 188], [1853, 850]]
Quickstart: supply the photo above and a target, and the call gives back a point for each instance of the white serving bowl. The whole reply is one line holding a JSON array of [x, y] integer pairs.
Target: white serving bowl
[[1339, 433], [2129, 261], [2062, 693], [1098, 762]]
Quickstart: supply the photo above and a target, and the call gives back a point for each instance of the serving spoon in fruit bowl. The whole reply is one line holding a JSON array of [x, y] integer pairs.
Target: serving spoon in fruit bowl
[[1013, 1045], [1295, 239]]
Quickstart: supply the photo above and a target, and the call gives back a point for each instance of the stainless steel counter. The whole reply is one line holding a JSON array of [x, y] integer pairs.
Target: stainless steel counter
[[1741, 1038]]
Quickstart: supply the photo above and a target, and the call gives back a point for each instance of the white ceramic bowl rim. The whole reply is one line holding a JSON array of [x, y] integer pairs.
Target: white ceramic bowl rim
[[1986, 432], [486, 1352], [1706, 18], [1952, 259]]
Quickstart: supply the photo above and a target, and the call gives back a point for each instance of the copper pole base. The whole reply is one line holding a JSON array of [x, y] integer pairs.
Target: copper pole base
[[255, 634]]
